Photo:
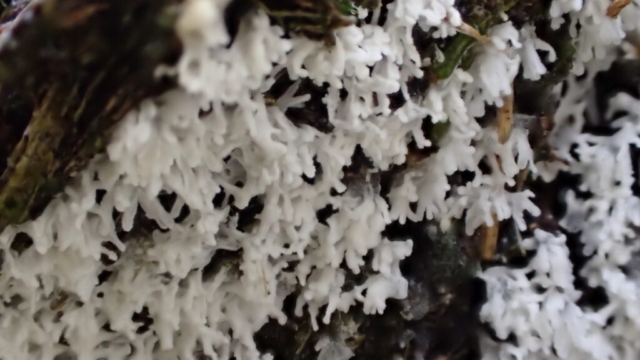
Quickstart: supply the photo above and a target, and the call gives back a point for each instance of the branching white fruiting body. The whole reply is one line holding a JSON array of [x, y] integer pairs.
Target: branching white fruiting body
[[249, 149]]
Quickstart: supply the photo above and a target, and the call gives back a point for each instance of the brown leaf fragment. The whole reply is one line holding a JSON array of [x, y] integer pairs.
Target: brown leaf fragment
[[415, 156], [616, 6], [60, 301]]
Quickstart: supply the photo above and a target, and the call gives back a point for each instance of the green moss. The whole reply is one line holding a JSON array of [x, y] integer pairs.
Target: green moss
[[314, 19], [439, 130], [453, 54], [457, 51], [346, 7]]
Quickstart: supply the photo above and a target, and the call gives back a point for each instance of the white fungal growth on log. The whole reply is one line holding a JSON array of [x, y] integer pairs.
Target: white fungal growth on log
[[218, 137]]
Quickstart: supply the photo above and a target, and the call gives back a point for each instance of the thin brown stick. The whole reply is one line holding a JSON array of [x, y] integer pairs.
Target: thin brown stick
[[489, 239], [504, 120]]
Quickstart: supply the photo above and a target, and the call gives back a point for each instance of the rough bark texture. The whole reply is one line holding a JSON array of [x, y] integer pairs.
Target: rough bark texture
[[69, 71]]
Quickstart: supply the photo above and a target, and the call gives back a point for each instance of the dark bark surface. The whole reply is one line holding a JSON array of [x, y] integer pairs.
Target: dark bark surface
[[69, 71]]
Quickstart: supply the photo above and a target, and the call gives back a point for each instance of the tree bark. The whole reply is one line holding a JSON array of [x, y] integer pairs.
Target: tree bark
[[69, 71]]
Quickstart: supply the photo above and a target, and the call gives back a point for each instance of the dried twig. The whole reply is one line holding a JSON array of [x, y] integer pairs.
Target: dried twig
[[489, 239], [473, 32], [504, 120]]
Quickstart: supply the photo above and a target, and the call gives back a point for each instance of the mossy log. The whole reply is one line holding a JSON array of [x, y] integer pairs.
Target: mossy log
[[69, 71]]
